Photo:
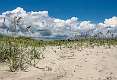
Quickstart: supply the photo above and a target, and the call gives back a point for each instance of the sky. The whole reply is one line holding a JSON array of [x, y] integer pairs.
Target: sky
[[58, 19], [93, 10]]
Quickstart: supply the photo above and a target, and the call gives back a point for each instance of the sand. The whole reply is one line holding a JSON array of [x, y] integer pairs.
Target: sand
[[98, 63]]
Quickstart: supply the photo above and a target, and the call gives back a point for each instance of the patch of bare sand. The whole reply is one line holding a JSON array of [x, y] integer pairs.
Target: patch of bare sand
[[98, 63]]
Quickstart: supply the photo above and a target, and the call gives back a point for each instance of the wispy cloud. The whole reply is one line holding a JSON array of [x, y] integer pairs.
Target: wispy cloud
[[39, 24]]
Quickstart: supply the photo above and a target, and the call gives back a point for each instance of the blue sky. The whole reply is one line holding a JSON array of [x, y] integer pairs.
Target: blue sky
[[58, 18], [93, 10]]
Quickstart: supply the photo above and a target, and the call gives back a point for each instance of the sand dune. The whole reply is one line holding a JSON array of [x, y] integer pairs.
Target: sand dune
[[98, 63]]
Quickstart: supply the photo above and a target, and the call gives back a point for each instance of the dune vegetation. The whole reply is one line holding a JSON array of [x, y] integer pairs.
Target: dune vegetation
[[20, 52]]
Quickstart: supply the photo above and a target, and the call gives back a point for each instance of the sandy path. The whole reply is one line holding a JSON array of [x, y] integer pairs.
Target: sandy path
[[98, 63]]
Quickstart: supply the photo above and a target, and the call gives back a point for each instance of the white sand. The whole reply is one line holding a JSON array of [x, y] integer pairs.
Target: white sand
[[98, 63]]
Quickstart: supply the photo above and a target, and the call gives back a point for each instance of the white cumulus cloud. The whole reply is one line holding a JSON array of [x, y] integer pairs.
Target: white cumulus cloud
[[40, 24], [86, 25], [111, 22]]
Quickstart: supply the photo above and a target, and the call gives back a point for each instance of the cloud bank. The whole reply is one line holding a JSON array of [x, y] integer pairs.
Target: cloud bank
[[40, 25]]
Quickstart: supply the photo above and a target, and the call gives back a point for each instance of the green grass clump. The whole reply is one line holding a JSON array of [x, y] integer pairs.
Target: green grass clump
[[11, 54], [16, 56]]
